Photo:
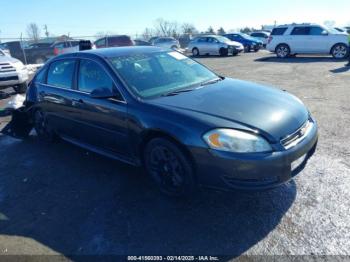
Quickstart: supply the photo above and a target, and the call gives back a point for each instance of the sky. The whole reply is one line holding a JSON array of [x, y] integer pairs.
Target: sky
[[86, 18]]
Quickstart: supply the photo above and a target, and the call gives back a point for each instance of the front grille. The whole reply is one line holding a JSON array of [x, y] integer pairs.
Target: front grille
[[6, 67], [8, 78], [298, 136]]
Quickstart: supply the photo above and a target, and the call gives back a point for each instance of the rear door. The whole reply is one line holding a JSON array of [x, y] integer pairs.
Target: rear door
[[102, 120], [56, 97], [299, 40], [213, 46]]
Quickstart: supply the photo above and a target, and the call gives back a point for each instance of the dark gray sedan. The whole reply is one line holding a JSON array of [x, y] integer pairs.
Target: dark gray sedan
[[187, 125]]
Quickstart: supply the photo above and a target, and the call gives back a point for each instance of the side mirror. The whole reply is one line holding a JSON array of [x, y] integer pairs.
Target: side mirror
[[324, 32], [102, 92]]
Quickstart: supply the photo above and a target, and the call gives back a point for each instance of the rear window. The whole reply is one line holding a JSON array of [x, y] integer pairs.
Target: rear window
[[279, 31]]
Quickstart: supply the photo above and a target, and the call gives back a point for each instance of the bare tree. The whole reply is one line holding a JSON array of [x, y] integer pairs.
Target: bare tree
[[148, 33], [33, 32], [166, 28], [221, 31], [188, 28], [210, 30]]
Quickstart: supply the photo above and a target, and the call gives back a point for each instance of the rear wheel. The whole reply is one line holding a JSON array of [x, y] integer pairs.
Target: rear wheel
[[340, 51], [169, 167], [282, 51], [21, 88], [195, 52], [247, 48]]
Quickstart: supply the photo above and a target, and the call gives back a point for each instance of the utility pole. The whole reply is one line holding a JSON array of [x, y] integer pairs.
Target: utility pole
[[46, 32]]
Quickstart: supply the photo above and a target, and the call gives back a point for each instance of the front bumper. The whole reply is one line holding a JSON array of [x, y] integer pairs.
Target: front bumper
[[13, 78], [259, 171]]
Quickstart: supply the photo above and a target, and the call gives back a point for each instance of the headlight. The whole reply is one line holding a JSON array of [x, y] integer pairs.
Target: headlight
[[18, 65], [232, 140]]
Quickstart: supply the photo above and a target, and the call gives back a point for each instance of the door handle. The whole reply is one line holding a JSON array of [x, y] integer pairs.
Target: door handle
[[77, 101]]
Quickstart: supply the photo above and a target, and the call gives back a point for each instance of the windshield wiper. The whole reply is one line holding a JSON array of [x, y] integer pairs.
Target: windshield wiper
[[212, 81], [173, 93]]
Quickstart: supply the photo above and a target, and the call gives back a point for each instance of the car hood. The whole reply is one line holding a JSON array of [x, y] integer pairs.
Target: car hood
[[8, 59], [266, 109], [234, 43]]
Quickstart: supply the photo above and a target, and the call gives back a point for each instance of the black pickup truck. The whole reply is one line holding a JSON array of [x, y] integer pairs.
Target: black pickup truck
[[39, 53]]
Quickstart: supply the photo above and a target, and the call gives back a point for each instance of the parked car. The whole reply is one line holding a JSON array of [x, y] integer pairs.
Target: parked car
[[262, 36], [166, 42], [12, 73], [187, 125], [249, 43], [114, 41], [139, 42], [38, 53], [286, 40], [38, 45], [214, 45]]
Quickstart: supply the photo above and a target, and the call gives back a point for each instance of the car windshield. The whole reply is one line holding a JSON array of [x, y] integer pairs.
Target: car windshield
[[222, 39], [247, 36], [155, 74], [332, 30]]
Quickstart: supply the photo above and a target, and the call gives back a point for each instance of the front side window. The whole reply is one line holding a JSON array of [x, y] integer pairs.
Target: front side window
[[61, 74], [316, 30], [158, 73], [92, 76], [301, 30]]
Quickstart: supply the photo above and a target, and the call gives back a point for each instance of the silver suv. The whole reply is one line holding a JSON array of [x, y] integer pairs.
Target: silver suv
[[12, 73]]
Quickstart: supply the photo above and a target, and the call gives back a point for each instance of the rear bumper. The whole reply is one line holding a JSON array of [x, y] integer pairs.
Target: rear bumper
[[225, 170]]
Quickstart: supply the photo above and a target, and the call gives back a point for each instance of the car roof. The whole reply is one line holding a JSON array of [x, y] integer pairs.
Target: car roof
[[115, 51]]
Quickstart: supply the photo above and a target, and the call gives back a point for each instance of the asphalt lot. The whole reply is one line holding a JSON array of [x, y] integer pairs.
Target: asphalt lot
[[60, 199]]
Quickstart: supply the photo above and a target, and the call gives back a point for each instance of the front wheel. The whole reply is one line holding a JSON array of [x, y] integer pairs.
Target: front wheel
[[223, 52], [169, 167], [282, 51], [340, 51]]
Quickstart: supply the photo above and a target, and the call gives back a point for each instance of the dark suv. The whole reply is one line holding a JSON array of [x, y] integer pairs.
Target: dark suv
[[114, 41]]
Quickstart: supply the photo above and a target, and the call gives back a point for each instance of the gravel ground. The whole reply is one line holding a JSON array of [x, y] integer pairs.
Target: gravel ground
[[59, 199]]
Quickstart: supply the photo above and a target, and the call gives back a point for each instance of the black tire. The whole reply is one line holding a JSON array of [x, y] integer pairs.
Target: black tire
[[234, 53], [223, 52], [282, 51], [169, 167], [247, 48], [42, 128], [195, 51], [256, 50], [340, 51], [21, 88]]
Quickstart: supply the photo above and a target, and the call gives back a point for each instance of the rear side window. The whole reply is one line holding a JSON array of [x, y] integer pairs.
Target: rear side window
[[279, 31], [301, 30], [92, 76], [61, 74]]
